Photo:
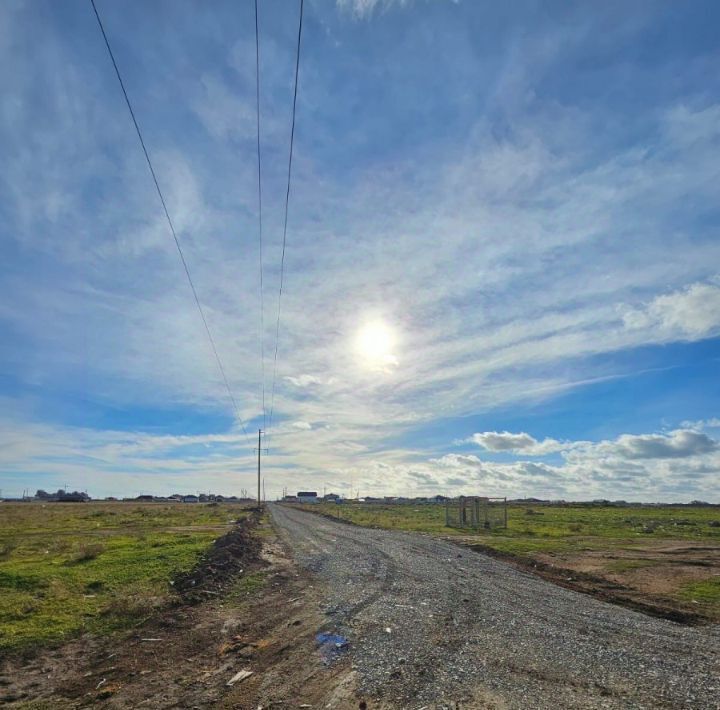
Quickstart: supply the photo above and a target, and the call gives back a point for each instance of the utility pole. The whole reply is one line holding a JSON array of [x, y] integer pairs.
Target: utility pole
[[259, 451]]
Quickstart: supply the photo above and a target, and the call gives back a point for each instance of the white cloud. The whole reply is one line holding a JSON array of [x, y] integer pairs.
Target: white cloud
[[690, 313], [303, 380], [681, 443], [701, 424], [365, 8], [502, 252], [303, 426], [518, 443]]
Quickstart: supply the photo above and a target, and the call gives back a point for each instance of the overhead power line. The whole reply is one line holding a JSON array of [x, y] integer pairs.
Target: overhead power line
[[169, 221], [287, 202], [260, 229]]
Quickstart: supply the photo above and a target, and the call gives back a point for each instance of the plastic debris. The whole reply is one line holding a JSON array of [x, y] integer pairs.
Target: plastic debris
[[239, 676], [331, 646]]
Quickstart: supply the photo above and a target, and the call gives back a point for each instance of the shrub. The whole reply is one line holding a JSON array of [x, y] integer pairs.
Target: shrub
[[87, 552]]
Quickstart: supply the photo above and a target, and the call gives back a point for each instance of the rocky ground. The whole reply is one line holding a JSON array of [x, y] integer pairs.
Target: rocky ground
[[432, 625]]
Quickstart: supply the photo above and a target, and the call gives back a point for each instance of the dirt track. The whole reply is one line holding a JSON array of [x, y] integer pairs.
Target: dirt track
[[431, 625]]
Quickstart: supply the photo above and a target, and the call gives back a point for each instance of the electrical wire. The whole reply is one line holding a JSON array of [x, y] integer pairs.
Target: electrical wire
[[260, 227], [287, 202], [169, 221]]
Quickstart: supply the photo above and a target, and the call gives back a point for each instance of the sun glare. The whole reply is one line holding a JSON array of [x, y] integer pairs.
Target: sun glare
[[374, 344]]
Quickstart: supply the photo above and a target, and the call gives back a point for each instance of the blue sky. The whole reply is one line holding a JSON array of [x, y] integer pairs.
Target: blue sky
[[502, 260]]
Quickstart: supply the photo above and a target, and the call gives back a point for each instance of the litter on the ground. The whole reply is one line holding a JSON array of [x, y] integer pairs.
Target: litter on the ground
[[331, 646], [240, 675]]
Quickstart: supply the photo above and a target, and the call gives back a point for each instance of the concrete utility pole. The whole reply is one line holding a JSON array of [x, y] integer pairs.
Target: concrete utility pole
[[259, 451]]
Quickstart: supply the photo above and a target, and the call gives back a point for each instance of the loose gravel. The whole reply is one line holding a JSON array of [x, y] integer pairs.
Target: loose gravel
[[432, 625]]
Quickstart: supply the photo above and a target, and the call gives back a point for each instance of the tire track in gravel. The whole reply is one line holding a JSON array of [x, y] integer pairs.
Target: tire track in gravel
[[471, 629], [376, 566]]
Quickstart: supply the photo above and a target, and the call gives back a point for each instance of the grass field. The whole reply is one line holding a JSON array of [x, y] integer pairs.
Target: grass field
[[72, 567], [673, 552]]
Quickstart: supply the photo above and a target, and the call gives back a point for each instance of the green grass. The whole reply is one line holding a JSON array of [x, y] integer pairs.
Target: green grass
[[247, 585], [706, 592], [564, 528], [549, 528], [628, 565], [68, 568]]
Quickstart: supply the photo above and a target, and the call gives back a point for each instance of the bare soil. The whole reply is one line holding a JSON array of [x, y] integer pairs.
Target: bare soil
[[647, 577], [242, 609]]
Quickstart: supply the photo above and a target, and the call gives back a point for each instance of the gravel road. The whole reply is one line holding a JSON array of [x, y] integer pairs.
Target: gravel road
[[433, 625]]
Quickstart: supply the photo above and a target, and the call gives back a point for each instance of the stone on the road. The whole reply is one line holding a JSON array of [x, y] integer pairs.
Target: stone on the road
[[481, 633]]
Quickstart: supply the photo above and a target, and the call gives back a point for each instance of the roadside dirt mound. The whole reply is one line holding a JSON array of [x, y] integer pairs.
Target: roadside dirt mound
[[186, 656], [230, 555]]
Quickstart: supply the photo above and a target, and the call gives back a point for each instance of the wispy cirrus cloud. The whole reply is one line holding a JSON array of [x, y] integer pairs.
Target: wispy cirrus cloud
[[514, 231]]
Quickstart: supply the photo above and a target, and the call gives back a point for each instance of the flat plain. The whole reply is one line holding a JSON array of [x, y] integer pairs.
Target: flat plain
[[162, 606], [68, 568], [660, 558]]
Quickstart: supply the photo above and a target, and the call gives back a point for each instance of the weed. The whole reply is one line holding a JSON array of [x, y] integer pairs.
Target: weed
[[87, 552], [96, 567], [247, 585], [707, 591], [20, 582]]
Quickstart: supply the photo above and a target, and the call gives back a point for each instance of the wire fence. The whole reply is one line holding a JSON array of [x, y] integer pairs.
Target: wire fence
[[476, 512]]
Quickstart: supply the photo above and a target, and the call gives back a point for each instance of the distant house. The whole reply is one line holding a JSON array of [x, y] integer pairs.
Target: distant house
[[307, 496], [190, 499], [144, 499], [72, 497], [331, 498]]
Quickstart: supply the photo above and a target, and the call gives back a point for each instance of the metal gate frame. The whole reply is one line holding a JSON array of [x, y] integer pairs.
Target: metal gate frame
[[473, 512]]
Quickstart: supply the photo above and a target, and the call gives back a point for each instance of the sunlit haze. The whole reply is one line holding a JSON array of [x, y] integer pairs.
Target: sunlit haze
[[375, 343]]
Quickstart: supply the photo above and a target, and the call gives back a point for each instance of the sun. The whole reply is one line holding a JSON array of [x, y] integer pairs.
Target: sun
[[374, 344]]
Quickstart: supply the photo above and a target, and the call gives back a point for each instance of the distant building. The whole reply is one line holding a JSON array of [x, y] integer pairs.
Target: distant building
[[72, 497], [307, 496], [190, 499], [145, 499], [332, 498]]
